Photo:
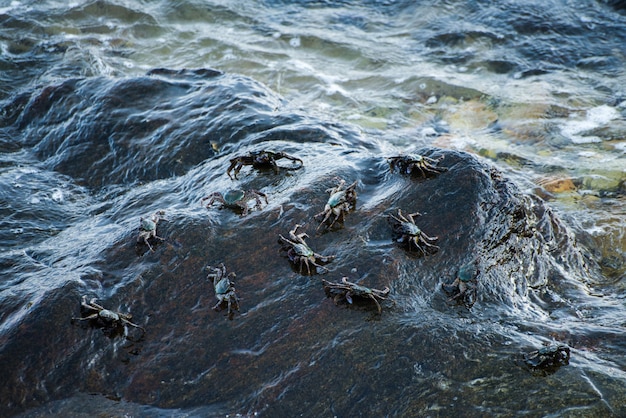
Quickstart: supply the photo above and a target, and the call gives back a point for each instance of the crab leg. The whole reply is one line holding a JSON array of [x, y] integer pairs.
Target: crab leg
[[326, 217], [429, 238], [257, 196], [244, 208], [212, 198], [306, 263], [293, 159], [92, 304], [411, 215], [380, 309], [230, 311], [234, 164], [126, 321], [87, 318], [299, 237], [145, 240], [320, 266], [417, 245]]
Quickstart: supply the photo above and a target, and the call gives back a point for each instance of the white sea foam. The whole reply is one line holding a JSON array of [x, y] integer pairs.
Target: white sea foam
[[594, 118]]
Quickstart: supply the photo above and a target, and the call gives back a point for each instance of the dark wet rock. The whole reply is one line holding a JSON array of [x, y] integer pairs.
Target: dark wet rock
[[289, 350], [102, 131], [619, 5]]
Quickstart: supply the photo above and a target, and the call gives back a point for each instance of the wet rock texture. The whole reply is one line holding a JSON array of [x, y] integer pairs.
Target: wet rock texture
[[164, 142]]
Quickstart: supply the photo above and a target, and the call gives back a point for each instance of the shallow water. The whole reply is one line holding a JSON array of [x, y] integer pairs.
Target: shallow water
[[113, 110]]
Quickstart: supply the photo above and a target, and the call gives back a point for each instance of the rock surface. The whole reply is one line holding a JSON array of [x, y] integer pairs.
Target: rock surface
[[163, 142]]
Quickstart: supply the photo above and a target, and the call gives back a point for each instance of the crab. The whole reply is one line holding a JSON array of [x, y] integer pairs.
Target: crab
[[261, 159], [415, 163], [224, 289], [404, 230], [300, 254], [111, 322], [463, 288], [236, 199], [347, 291], [147, 228], [547, 359], [341, 201]]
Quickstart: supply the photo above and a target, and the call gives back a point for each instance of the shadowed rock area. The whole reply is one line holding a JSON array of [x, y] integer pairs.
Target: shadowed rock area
[[162, 142]]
